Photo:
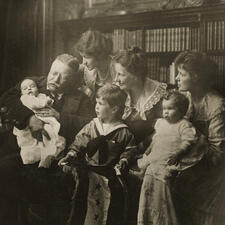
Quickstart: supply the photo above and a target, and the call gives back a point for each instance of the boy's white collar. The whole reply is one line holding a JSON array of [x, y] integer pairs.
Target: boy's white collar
[[99, 126]]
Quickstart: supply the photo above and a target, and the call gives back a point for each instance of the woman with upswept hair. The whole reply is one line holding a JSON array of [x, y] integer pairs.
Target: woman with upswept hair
[[96, 50], [200, 190]]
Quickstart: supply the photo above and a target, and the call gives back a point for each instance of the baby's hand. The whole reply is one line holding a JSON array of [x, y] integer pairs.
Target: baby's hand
[[173, 160], [45, 134], [171, 168]]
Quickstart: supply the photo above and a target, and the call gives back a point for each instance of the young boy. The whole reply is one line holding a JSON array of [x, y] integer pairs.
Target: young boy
[[33, 150], [104, 141]]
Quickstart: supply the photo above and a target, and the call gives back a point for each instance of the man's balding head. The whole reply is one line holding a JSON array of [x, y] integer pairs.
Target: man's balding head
[[63, 75]]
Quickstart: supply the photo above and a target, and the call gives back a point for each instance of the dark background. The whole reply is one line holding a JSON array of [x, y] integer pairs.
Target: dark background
[[26, 37]]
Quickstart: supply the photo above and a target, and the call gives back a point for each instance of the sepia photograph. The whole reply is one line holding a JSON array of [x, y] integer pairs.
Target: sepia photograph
[[112, 112]]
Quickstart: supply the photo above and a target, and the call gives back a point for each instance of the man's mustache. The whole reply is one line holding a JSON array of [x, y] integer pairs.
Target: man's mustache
[[53, 84]]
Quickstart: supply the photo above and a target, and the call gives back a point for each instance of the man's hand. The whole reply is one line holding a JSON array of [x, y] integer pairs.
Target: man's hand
[[35, 123], [123, 163], [50, 101], [36, 127], [47, 112], [65, 162]]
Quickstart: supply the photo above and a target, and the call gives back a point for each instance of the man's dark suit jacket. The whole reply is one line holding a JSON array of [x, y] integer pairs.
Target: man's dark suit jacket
[[28, 182]]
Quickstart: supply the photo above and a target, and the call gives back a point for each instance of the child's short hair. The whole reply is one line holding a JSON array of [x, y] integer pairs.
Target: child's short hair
[[180, 100], [114, 96], [26, 78]]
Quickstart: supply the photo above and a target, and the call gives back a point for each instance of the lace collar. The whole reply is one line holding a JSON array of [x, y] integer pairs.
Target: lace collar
[[145, 104]]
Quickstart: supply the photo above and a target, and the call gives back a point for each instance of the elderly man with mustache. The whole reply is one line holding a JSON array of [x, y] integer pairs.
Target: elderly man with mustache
[[71, 108]]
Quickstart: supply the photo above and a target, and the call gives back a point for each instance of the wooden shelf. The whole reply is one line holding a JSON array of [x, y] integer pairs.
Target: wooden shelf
[[163, 18]]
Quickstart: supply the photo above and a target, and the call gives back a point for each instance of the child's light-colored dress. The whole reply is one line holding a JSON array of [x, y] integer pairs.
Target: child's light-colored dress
[[198, 192], [168, 140]]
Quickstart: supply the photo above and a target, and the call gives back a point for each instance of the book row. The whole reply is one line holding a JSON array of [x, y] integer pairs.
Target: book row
[[157, 40], [158, 70], [215, 35], [161, 72], [219, 81], [172, 39]]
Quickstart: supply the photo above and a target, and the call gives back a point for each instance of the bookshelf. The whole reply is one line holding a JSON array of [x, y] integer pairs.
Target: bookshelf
[[162, 34]]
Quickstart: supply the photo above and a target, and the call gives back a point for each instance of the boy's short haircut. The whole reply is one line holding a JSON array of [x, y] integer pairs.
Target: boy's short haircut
[[180, 100], [114, 96]]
